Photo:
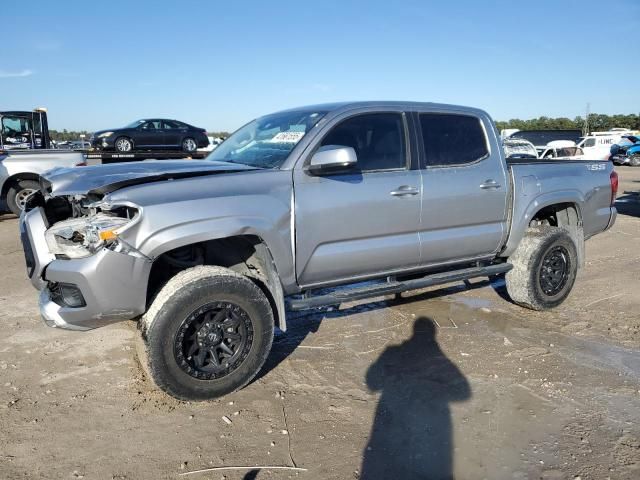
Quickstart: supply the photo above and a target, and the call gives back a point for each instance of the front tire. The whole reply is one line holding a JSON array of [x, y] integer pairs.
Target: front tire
[[545, 266], [18, 193], [634, 160], [123, 145], [189, 145], [207, 333]]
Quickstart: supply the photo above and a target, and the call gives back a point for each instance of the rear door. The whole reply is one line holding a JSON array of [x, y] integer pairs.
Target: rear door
[[366, 221], [465, 186], [172, 133]]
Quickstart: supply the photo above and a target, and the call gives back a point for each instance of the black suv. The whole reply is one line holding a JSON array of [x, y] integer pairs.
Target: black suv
[[149, 134]]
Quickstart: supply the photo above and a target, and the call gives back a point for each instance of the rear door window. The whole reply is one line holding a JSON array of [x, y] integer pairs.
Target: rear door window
[[452, 140], [169, 125]]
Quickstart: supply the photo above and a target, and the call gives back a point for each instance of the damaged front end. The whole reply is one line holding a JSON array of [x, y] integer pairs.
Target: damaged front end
[[88, 276], [79, 225]]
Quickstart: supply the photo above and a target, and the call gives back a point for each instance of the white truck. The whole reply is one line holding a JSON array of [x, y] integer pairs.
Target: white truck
[[20, 172], [25, 154]]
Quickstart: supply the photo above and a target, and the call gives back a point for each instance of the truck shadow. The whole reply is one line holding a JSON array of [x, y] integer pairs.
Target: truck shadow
[[629, 203], [302, 324], [7, 216]]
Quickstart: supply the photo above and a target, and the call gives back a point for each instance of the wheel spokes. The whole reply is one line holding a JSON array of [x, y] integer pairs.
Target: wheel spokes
[[225, 348], [198, 360], [212, 340], [214, 357]]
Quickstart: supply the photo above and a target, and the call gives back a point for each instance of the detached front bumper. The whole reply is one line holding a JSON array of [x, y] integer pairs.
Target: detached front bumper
[[113, 285]]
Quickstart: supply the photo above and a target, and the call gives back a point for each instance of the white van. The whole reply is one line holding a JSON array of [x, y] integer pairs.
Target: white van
[[597, 146]]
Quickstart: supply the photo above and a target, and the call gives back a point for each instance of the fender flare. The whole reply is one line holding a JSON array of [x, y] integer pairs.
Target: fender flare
[[536, 204]]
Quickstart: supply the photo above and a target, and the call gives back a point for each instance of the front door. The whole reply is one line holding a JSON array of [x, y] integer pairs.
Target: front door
[[362, 222], [465, 186], [151, 135]]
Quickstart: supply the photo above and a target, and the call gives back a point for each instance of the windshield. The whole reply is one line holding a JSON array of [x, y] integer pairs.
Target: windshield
[[267, 141], [515, 149], [135, 124]]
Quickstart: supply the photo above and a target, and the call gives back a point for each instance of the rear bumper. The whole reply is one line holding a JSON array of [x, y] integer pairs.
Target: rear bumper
[[203, 142], [113, 284], [612, 218]]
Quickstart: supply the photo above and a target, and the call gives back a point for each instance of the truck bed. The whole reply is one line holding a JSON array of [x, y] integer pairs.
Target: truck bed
[[536, 183]]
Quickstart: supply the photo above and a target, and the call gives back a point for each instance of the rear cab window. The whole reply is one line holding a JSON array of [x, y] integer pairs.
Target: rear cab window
[[452, 139]]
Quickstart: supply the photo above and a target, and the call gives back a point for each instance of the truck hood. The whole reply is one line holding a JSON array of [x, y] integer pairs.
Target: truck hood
[[104, 179]]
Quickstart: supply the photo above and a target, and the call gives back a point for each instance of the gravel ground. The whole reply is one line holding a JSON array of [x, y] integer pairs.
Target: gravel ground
[[448, 381]]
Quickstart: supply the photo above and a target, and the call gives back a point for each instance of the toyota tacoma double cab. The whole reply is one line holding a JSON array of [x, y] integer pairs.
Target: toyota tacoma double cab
[[303, 209]]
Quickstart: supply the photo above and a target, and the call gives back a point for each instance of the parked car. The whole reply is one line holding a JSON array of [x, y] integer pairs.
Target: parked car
[[516, 148], [626, 151], [294, 211], [80, 145], [21, 170], [213, 143], [541, 138], [151, 134], [563, 149]]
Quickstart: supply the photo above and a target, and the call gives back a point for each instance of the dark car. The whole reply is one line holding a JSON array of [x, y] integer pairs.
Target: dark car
[[626, 151], [149, 134]]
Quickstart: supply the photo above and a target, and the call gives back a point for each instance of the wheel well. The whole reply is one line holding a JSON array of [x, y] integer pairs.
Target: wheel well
[[128, 137], [557, 215], [14, 179], [566, 216], [245, 254]]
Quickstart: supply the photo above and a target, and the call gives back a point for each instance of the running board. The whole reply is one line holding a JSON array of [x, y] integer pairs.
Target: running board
[[393, 287]]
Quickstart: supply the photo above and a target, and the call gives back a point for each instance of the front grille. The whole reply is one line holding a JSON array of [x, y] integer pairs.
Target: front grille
[[28, 253]]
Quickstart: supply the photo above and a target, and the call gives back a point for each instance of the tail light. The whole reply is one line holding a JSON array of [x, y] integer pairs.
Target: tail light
[[81, 164], [613, 178]]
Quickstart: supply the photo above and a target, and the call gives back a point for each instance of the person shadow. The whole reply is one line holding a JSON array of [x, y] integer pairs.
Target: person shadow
[[411, 436]]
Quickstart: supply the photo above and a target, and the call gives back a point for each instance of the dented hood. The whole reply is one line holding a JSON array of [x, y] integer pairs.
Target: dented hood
[[104, 179]]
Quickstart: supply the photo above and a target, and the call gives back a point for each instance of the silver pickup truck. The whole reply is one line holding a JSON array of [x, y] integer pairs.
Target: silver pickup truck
[[20, 172], [297, 210]]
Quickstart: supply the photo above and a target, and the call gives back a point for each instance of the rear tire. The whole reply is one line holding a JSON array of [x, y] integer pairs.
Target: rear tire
[[207, 333], [545, 266], [18, 193], [189, 145]]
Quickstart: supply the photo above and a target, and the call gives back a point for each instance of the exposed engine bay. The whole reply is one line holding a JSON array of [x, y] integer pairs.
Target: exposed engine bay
[[79, 226]]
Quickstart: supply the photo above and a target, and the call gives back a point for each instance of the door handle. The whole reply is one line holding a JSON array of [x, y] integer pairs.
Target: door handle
[[489, 183], [404, 190]]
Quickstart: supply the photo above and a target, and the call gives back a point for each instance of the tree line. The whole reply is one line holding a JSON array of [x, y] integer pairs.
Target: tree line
[[597, 122]]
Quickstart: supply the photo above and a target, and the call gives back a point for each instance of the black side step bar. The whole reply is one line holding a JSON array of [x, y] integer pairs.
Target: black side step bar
[[393, 287]]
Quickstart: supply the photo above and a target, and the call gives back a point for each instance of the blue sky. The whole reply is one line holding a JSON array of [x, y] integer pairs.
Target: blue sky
[[218, 64]]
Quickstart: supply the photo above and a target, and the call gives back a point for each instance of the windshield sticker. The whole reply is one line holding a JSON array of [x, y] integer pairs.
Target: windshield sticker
[[287, 137]]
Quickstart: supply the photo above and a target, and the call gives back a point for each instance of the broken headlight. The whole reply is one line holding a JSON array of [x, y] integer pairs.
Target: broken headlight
[[81, 237]]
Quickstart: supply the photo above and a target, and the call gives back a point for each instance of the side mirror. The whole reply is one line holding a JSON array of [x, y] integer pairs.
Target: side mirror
[[332, 159]]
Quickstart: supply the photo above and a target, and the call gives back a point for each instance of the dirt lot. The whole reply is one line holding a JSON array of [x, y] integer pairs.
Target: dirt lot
[[457, 379]]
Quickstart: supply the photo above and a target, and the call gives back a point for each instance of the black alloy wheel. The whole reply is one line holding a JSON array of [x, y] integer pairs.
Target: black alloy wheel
[[554, 270], [213, 341]]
